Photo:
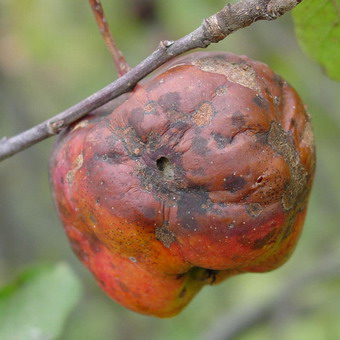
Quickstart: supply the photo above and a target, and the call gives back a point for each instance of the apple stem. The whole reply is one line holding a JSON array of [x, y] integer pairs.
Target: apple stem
[[122, 66]]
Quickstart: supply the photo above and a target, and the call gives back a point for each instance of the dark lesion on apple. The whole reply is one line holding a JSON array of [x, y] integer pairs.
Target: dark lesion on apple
[[221, 140], [282, 144], [234, 183], [254, 209], [165, 235]]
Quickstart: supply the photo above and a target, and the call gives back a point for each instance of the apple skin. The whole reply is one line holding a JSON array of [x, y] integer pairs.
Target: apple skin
[[202, 173]]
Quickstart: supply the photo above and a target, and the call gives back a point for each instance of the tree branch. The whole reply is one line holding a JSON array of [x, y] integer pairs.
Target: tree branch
[[213, 29], [122, 66]]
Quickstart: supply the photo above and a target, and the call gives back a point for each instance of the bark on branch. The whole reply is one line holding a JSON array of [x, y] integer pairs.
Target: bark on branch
[[213, 29]]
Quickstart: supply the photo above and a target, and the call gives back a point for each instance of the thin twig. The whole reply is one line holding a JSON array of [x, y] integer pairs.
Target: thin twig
[[98, 11], [213, 29]]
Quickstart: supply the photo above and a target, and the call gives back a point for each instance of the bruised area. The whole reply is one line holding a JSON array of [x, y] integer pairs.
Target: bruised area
[[203, 172]]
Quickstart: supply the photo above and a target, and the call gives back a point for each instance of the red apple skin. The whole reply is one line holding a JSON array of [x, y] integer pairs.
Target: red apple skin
[[202, 173]]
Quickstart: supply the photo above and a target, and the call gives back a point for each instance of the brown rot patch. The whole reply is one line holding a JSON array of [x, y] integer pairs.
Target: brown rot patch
[[203, 114], [166, 236], [234, 183], [280, 142], [237, 119]]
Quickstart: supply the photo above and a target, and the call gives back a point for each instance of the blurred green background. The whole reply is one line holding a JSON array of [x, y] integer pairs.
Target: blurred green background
[[51, 57]]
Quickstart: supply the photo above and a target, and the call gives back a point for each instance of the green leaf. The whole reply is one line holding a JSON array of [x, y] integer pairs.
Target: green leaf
[[36, 305], [317, 24]]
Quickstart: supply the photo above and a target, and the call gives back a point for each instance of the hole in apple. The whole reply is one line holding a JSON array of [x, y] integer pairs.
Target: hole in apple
[[162, 163], [165, 167]]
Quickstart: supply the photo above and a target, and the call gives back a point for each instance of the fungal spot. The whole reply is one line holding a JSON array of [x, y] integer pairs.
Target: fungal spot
[[222, 141], [239, 73], [132, 259], [234, 183], [203, 114], [169, 101], [260, 102], [166, 168], [191, 204], [149, 212], [254, 209], [237, 119], [166, 236], [280, 142], [200, 146], [76, 165]]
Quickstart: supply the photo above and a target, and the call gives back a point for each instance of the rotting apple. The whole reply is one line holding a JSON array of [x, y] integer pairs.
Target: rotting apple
[[203, 172]]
